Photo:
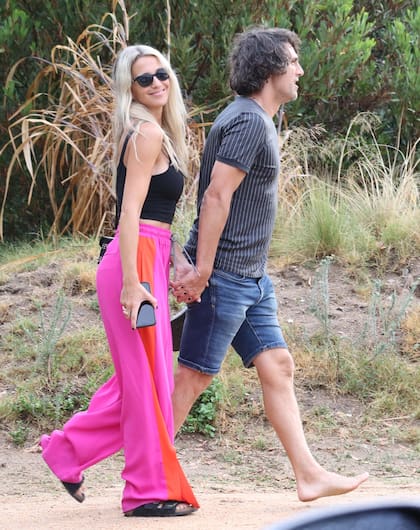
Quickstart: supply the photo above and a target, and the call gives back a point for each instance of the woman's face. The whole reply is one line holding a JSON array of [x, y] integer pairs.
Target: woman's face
[[155, 95]]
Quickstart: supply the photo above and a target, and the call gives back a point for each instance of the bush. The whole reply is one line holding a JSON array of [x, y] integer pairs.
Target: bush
[[359, 55]]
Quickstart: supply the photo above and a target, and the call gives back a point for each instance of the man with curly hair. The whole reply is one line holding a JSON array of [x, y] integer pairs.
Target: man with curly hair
[[231, 301]]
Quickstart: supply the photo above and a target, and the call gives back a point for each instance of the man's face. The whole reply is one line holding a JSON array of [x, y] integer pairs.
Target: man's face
[[285, 86]]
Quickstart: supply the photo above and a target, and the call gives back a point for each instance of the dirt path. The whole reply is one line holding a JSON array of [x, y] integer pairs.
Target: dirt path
[[31, 499], [219, 510]]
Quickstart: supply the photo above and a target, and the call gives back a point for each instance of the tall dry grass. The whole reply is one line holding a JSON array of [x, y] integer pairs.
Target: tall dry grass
[[382, 191], [66, 141], [354, 199]]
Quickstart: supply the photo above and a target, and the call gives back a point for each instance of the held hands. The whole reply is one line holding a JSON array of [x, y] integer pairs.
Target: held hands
[[131, 298], [188, 284]]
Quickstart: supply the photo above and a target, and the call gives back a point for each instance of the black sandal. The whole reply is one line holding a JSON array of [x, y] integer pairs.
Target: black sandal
[[161, 509], [73, 487]]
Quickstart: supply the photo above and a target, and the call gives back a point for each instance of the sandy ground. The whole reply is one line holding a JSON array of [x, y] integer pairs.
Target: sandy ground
[[32, 499], [224, 509]]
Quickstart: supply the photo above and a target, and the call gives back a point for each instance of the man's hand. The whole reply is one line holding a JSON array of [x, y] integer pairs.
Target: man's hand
[[189, 285]]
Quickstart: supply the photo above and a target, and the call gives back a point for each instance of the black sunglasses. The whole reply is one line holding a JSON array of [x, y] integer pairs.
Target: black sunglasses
[[145, 80]]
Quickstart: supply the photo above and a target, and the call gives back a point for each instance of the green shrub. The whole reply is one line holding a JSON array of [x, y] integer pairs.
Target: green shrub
[[202, 416], [358, 55]]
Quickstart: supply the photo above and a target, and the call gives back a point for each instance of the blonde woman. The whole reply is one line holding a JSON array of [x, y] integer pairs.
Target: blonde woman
[[132, 410]]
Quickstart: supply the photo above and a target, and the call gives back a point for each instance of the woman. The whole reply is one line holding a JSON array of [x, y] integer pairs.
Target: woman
[[133, 409]]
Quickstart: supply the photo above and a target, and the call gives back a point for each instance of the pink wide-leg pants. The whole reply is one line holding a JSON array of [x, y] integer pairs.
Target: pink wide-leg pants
[[132, 410]]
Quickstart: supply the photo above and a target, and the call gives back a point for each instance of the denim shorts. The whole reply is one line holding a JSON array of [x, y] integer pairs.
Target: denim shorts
[[234, 310]]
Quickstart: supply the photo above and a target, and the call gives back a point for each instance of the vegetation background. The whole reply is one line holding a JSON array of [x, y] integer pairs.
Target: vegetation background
[[55, 61], [348, 210]]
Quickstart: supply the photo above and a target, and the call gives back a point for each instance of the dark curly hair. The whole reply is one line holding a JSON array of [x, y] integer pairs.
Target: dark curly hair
[[257, 54]]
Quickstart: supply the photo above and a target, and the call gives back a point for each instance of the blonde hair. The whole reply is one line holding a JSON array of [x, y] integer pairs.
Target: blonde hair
[[129, 114]]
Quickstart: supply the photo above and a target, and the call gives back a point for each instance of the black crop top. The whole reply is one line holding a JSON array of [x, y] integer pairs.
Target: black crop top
[[164, 191]]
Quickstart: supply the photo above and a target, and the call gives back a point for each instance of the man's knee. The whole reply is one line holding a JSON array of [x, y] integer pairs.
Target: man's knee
[[271, 363]]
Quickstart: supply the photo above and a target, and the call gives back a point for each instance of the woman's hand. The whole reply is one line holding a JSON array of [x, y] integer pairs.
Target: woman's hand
[[189, 285], [131, 298]]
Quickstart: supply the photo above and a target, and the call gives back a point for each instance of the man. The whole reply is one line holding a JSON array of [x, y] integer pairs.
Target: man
[[233, 300]]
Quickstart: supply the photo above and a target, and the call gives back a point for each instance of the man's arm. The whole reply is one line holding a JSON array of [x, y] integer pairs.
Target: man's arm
[[214, 212]]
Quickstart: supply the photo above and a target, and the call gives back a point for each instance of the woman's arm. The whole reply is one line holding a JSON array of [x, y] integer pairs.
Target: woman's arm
[[141, 158]]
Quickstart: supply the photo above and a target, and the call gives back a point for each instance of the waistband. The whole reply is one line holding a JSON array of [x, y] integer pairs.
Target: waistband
[[150, 230]]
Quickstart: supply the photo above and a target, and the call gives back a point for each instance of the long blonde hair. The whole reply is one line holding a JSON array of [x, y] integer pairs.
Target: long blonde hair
[[129, 114]]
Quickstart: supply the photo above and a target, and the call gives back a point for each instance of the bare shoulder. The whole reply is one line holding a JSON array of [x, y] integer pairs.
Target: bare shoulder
[[148, 141], [150, 132]]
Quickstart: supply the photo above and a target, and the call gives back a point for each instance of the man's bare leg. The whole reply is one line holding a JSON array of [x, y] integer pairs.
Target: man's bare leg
[[189, 384], [275, 370]]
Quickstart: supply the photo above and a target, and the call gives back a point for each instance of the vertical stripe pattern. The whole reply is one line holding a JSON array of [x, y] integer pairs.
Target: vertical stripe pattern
[[243, 136]]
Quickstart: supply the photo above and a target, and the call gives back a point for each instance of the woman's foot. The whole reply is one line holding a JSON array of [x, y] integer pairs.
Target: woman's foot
[[161, 509], [76, 490]]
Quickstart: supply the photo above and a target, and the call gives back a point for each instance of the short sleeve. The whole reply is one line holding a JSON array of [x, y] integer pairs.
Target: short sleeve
[[242, 139]]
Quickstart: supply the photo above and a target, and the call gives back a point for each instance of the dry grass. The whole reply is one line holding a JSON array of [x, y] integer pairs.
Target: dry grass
[[67, 141], [354, 199], [410, 347], [79, 278]]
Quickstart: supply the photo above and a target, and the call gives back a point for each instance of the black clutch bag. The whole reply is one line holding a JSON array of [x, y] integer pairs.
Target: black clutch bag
[[104, 241]]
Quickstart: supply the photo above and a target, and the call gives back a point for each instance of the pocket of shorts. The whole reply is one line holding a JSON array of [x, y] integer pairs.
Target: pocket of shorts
[[230, 276]]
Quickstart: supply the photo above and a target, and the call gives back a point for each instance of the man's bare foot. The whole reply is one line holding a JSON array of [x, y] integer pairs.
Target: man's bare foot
[[327, 484]]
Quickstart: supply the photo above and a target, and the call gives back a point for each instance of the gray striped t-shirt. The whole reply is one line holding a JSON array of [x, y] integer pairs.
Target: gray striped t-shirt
[[243, 136]]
